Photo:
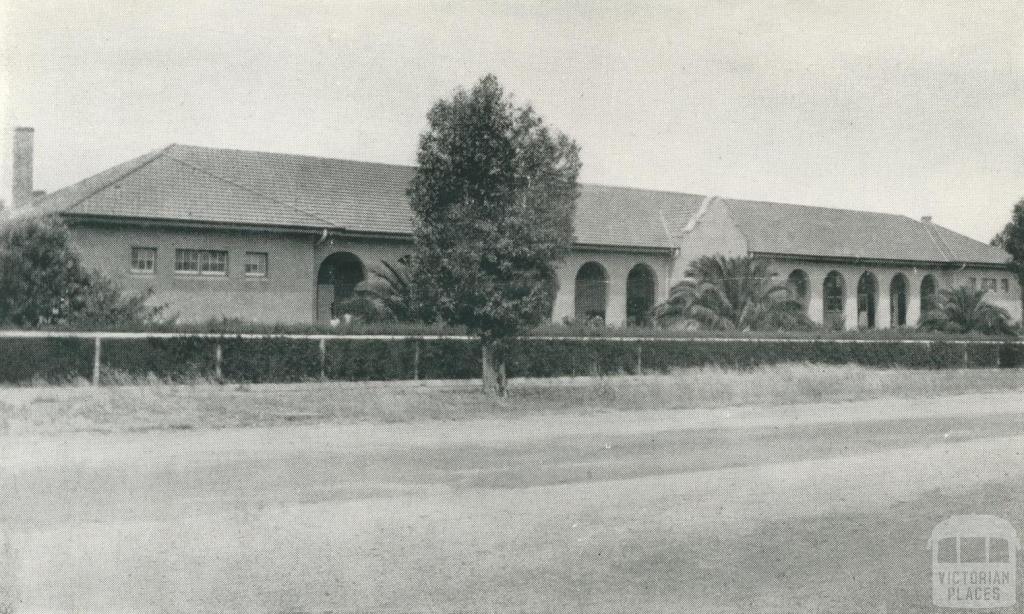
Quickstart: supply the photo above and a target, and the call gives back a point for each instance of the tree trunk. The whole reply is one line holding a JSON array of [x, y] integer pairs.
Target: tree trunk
[[493, 372]]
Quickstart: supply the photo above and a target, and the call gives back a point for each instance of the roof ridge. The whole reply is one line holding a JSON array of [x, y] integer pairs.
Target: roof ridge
[[411, 167], [250, 189], [155, 154], [636, 189], [294, 155], [939, 241], [748, 201]]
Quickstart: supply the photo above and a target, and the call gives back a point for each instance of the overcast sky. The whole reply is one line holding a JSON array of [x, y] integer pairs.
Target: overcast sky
[[912, 108]]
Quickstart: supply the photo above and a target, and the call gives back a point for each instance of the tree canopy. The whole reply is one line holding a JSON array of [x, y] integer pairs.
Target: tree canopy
[[43, 283], [1011, 239], [494, 201]]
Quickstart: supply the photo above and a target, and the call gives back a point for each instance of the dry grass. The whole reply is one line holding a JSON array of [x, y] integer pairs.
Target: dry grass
[[157, 405]]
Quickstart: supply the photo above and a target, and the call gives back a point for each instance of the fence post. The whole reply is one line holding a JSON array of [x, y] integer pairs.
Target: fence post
[[640, 358], [218, 361], [96, 360], [416, 360], [323, 358]]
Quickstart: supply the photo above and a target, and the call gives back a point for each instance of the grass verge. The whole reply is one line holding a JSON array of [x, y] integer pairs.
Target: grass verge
[[155, 405]]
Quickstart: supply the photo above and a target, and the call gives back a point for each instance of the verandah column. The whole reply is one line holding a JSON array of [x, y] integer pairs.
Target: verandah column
[[883, 310], [816, 298]]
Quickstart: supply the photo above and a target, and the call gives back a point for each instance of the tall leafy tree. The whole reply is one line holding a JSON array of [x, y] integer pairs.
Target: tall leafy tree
[[738, 293], [1011, 239], [963, 310], [43, 282], [494, 197]]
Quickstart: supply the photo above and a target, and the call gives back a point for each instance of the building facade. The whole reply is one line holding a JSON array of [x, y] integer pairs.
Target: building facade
[[275, 238]]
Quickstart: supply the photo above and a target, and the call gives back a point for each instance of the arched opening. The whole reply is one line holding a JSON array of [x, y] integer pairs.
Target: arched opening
[[898, 301], [336, 281], [639, 295], [867, 300], [797, 282], [591, 292], [929, 294], [834, 298]]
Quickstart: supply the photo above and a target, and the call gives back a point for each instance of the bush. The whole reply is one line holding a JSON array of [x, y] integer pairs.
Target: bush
[[43, 282]]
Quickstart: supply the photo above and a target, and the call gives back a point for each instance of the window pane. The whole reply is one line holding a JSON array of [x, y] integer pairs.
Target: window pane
[[947, 550], [143, 259], [998, 550], [972, 549], [1006, 285], [255, 264]]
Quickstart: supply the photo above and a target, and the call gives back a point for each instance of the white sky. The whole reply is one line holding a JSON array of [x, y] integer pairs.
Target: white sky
[[913, 108]]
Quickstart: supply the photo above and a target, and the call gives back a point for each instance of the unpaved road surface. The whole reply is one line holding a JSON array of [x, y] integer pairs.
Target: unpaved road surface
[[803, 508]]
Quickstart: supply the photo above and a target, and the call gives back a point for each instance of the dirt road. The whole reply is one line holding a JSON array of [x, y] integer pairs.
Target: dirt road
[[759, 509]]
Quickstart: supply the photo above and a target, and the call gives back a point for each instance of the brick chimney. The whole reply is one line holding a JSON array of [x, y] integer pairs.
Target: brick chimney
[[927, 219], [21, 179]]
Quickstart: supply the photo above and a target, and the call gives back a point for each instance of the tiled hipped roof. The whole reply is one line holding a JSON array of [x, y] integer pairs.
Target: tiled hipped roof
[[200, 184], [798, 230]]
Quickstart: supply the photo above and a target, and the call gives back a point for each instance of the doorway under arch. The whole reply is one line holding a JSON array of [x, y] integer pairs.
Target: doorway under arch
[[336, 281]]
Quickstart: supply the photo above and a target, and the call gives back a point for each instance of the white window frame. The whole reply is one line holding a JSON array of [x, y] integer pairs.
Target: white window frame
[[263, 259], [203, 260], [137, 249]]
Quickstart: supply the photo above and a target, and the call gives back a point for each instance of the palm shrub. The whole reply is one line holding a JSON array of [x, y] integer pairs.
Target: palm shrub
[[965, 310], [736, 294], [389, 295]]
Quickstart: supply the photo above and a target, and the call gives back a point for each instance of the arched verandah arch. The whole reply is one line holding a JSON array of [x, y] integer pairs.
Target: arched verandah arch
[[799, 283], [834, 300], [591, 292], [929, 294], [867, 300], [640, 293], [898, 301], [336, 281]]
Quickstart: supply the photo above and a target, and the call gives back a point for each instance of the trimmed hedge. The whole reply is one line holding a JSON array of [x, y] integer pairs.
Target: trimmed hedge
[[278, 359], [178, 359], [52, 360]]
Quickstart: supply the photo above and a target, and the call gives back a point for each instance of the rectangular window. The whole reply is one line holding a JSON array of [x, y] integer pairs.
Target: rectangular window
[[1006, 284], [974, 283], [255, 264], [144, 260], [201, 262]]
